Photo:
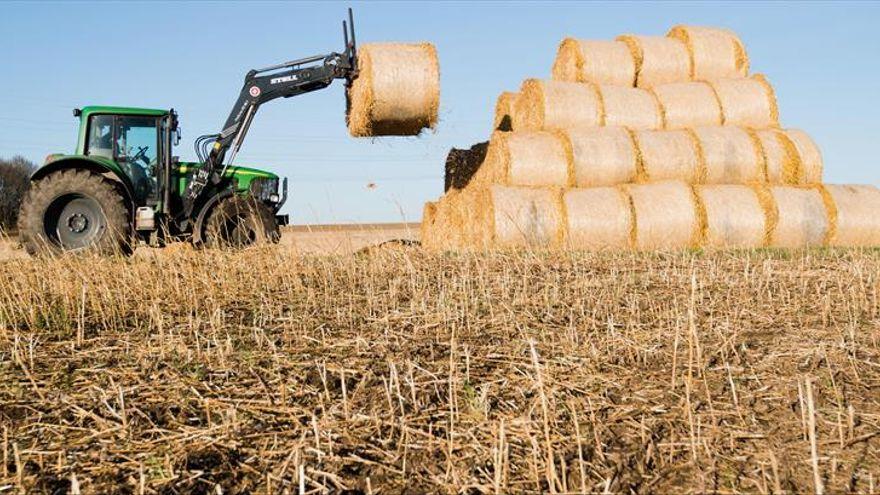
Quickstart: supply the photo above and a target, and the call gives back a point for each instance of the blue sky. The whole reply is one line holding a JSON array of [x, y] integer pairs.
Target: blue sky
[[822, 58]]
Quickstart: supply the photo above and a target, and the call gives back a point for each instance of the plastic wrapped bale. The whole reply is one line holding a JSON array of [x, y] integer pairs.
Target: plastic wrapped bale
[[781, 161], [462, 164], [397, 91], [668, 155], [688, 104], [714, 52], [600, 62], [809, 157], [598, 219], [601, 156], [535, 158], [665, 215], [510, 216], [801, 217], [504, 108], [747, 102], [546, 105], [659, 59], [856, 218], [730, 155], [732, 217], [635, 108]]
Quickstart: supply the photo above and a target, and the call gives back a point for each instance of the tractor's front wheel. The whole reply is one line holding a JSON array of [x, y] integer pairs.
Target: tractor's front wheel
[[237, 222], [74, 210]]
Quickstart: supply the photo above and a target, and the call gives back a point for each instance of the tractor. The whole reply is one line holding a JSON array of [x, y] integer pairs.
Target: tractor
[[123, 186]]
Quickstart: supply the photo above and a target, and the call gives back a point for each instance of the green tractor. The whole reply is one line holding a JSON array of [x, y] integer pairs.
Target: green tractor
[[123, 186]]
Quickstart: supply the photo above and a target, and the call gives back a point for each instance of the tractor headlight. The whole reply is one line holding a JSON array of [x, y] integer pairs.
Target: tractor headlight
[[274, 198]]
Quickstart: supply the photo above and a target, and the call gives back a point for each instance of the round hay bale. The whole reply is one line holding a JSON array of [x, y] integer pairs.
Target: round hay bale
[[397, 91], [426, 228], [445, 230], [733, 218], [635, 108], [504, 111], [857, 222], [730, 155], [536, 158], [598, 218], [802, 218], [810, 162], [780, 157], [668, 155], [714, 52], [524, 216], [688, 104], [665, 215], [747, 102], [602, 156], [546, 105], [600, 62], [659, 59]]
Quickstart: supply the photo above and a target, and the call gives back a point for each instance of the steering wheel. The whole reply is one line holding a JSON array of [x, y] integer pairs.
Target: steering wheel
[[141, 155]]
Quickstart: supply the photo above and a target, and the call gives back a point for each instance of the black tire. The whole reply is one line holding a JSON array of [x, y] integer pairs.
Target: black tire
[[236, 223], [74, 210]]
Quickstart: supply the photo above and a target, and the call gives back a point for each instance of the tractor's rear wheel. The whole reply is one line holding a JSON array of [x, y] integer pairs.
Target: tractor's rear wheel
[[74, 210], [237, 222]]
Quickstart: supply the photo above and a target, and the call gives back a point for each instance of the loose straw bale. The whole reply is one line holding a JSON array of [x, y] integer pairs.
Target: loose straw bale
[[668, 155], [536, 158], [600, 62], [730, 155], [714, 52], [602, 156], [397, 91], [462, 164], [780, 157], [598, 218], [659, 59], [635, 108], [688, 104], [546, 105], [665, 215], [809, 157], [523, 216], [734, 217], [747, 102], [856, 208], [802, 219], [504, 107]]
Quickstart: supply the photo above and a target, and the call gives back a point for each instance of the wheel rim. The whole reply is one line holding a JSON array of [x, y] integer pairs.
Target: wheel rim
[[74, 221]]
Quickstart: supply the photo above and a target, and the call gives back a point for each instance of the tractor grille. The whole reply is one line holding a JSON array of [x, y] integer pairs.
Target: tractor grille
[[264, 189]]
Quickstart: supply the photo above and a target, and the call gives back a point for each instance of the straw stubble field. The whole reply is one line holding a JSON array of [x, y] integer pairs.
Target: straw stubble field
[[403, 371]]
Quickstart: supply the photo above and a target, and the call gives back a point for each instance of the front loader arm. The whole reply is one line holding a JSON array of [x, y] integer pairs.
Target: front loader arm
[[261, 86]]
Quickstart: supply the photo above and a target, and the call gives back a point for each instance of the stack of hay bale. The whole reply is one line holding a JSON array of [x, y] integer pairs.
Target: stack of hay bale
[[647, 142]]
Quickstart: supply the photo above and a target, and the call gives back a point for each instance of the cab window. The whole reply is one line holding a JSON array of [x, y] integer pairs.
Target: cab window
[[100, 141], [137, 140]]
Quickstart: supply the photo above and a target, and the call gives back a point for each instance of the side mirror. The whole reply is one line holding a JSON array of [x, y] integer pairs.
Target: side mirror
[[178, 133]]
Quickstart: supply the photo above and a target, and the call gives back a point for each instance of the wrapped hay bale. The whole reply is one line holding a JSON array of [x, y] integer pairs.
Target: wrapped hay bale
[[730, 155], [809, 157], [665, 215], [600, 62], [602, 156], [688, 104], [658, 59], [556, 105], [732, 217], [533, 158], [856, 214], [714, 52], [801, 217], [635, 108], [780, 157], [519, 217], [668, 155], [504, 111], [747, 102], [598, 218], [397, 92]]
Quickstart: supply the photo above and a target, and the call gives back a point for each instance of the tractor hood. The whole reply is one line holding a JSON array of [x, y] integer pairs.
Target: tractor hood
[[243, 175]]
